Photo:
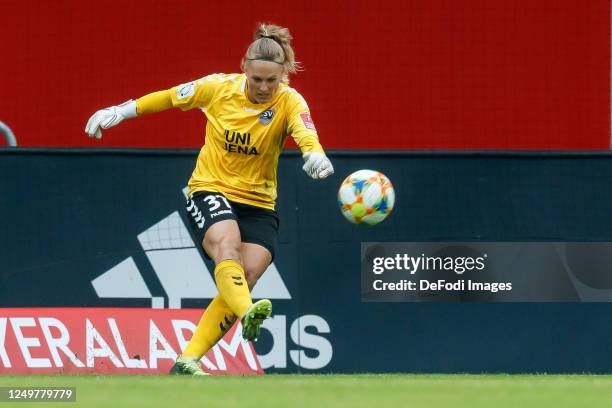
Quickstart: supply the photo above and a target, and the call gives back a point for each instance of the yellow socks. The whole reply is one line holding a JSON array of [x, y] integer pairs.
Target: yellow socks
[[216, 320], [233, 286], [232, 301]]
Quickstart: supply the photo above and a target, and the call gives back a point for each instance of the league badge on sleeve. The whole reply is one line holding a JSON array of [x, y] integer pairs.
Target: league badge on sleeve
[[185, 90], [307, 120]]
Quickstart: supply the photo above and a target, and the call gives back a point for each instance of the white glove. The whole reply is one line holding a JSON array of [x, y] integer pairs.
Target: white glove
[[109, 117], [317, 165]]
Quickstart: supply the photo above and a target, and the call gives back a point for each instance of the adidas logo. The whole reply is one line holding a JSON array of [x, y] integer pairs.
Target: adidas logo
[[179, 267]]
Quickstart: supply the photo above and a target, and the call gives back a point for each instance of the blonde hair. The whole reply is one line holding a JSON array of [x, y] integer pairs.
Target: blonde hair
[[273, 43]]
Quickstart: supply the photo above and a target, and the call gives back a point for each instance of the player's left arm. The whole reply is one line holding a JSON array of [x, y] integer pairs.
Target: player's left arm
[[300, 125]]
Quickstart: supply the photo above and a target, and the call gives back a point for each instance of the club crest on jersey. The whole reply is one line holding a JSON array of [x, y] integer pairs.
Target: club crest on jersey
[[266, 117]]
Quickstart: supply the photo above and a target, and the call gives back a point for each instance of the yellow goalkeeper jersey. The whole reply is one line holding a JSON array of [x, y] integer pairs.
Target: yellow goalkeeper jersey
[[244, 140]]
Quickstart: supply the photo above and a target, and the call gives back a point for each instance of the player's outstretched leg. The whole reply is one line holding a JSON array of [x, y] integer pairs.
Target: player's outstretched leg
[[187, 366], [254, 317]]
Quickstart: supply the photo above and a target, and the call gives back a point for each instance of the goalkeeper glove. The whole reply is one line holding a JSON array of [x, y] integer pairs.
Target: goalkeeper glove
[[109, 117], [317, 165]]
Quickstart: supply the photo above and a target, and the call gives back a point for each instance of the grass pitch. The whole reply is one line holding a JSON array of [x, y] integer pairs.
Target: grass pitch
[[368, 390]]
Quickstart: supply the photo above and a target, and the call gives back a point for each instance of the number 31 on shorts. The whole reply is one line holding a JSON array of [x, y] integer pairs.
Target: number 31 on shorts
[[215, 201]]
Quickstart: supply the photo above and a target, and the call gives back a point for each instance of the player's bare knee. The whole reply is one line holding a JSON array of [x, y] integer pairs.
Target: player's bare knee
[[228, 249]]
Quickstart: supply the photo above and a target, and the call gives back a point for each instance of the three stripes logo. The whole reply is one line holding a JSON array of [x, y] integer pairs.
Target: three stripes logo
[[179, 267]]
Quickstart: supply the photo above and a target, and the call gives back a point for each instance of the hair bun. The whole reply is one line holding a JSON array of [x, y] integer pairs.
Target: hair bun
[[280, 52]]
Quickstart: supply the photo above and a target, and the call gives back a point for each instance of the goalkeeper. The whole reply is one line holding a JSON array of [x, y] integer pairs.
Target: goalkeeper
[[232, 190]]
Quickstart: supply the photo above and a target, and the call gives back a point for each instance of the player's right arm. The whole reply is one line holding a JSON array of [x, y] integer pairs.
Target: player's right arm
[[185, 96]]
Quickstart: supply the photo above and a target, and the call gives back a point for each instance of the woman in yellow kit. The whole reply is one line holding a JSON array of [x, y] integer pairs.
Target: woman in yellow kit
[[232, 191]]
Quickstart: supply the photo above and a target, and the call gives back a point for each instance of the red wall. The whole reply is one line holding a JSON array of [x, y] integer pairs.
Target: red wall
[[418, 74]]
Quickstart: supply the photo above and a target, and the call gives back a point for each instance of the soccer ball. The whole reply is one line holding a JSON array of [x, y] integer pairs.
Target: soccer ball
[[366, 197]]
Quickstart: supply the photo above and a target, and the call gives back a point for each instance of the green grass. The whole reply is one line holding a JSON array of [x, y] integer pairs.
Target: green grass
[[318, 391]]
